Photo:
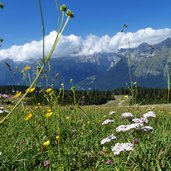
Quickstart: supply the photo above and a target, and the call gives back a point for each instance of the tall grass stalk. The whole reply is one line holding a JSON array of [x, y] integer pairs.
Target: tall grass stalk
[[133, 86], [61, 29], [168, 84]]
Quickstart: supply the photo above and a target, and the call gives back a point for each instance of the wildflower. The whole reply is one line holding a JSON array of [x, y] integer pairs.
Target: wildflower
[[141, 120], [107, 139], [17, 95], [108, 161], [123, 128], [57, 137], [150, 114], [146, 128], [46, 163], [6, 111], [135, 141], [48, 114], [46, 143], [30, 90], [26, 68], [28, 116], [111, 112], [119, 147], [70, 14], [48, 90], [67, 117], [49, 110], [71, 80], [107, 121], [126, 97], [127, 115], [63, 8]]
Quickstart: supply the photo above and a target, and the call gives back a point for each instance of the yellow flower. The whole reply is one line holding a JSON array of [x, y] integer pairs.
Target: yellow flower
[[26, 68], [48, 90], [49, 110], [30, 90], [47, 115], [57, 137], [17, 95], [126, 96], [67, 117], [28, 116], [46, 143]]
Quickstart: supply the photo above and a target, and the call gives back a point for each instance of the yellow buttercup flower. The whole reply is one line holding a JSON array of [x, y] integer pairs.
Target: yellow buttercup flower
[[17, 94], [46, 143], [126, 96], [28, 116], [48, 90], [47, 115], [30, 90], [49, 110], [57, 137], [26, 68]]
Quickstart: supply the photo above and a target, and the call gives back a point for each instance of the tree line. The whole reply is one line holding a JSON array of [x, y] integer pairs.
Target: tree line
[[92, 97]]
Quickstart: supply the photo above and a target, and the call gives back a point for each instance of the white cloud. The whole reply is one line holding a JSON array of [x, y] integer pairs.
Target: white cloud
[[72, 44]]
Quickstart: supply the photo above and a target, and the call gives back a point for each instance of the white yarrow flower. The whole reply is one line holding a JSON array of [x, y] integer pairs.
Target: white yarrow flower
[[111, 112], [141, 120], [150, 114], [127, 115], [119, 147], [107, 139], [1, 108], [124, 128], [147, 128], [107, 121]]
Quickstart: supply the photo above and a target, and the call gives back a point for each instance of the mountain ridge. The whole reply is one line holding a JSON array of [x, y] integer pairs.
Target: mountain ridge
[[100, 70]]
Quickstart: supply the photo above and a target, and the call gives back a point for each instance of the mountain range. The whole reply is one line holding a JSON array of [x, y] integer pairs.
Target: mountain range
[[103, 71]]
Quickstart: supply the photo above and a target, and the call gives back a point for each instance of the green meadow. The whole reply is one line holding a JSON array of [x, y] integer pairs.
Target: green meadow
[[69, 138]]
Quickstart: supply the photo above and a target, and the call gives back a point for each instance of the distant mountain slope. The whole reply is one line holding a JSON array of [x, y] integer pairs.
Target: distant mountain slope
[[100, 70]]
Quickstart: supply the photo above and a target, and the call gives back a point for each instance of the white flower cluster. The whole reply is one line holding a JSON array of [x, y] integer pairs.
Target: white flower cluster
[[150, 114], [138, 124], [108, 139], [119, 147], [146, 128], [127, 115], [123, 128], [2, 110], [111, 112], [141, 120], [107, 121]]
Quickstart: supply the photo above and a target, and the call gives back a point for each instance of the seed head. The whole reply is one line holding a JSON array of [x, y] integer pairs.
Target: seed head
[[63, 8], [70, 14]]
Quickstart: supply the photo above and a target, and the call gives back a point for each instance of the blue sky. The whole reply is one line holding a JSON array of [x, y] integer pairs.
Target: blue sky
[[20, 19]]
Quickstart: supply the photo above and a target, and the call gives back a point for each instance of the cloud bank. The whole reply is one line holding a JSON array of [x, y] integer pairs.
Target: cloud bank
[[76, 45]]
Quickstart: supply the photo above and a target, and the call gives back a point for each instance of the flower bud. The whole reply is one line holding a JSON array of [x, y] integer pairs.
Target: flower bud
[[63, 8], [70, 14]]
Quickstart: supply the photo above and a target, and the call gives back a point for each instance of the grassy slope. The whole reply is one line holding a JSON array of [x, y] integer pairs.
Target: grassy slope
[[80, 134]]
